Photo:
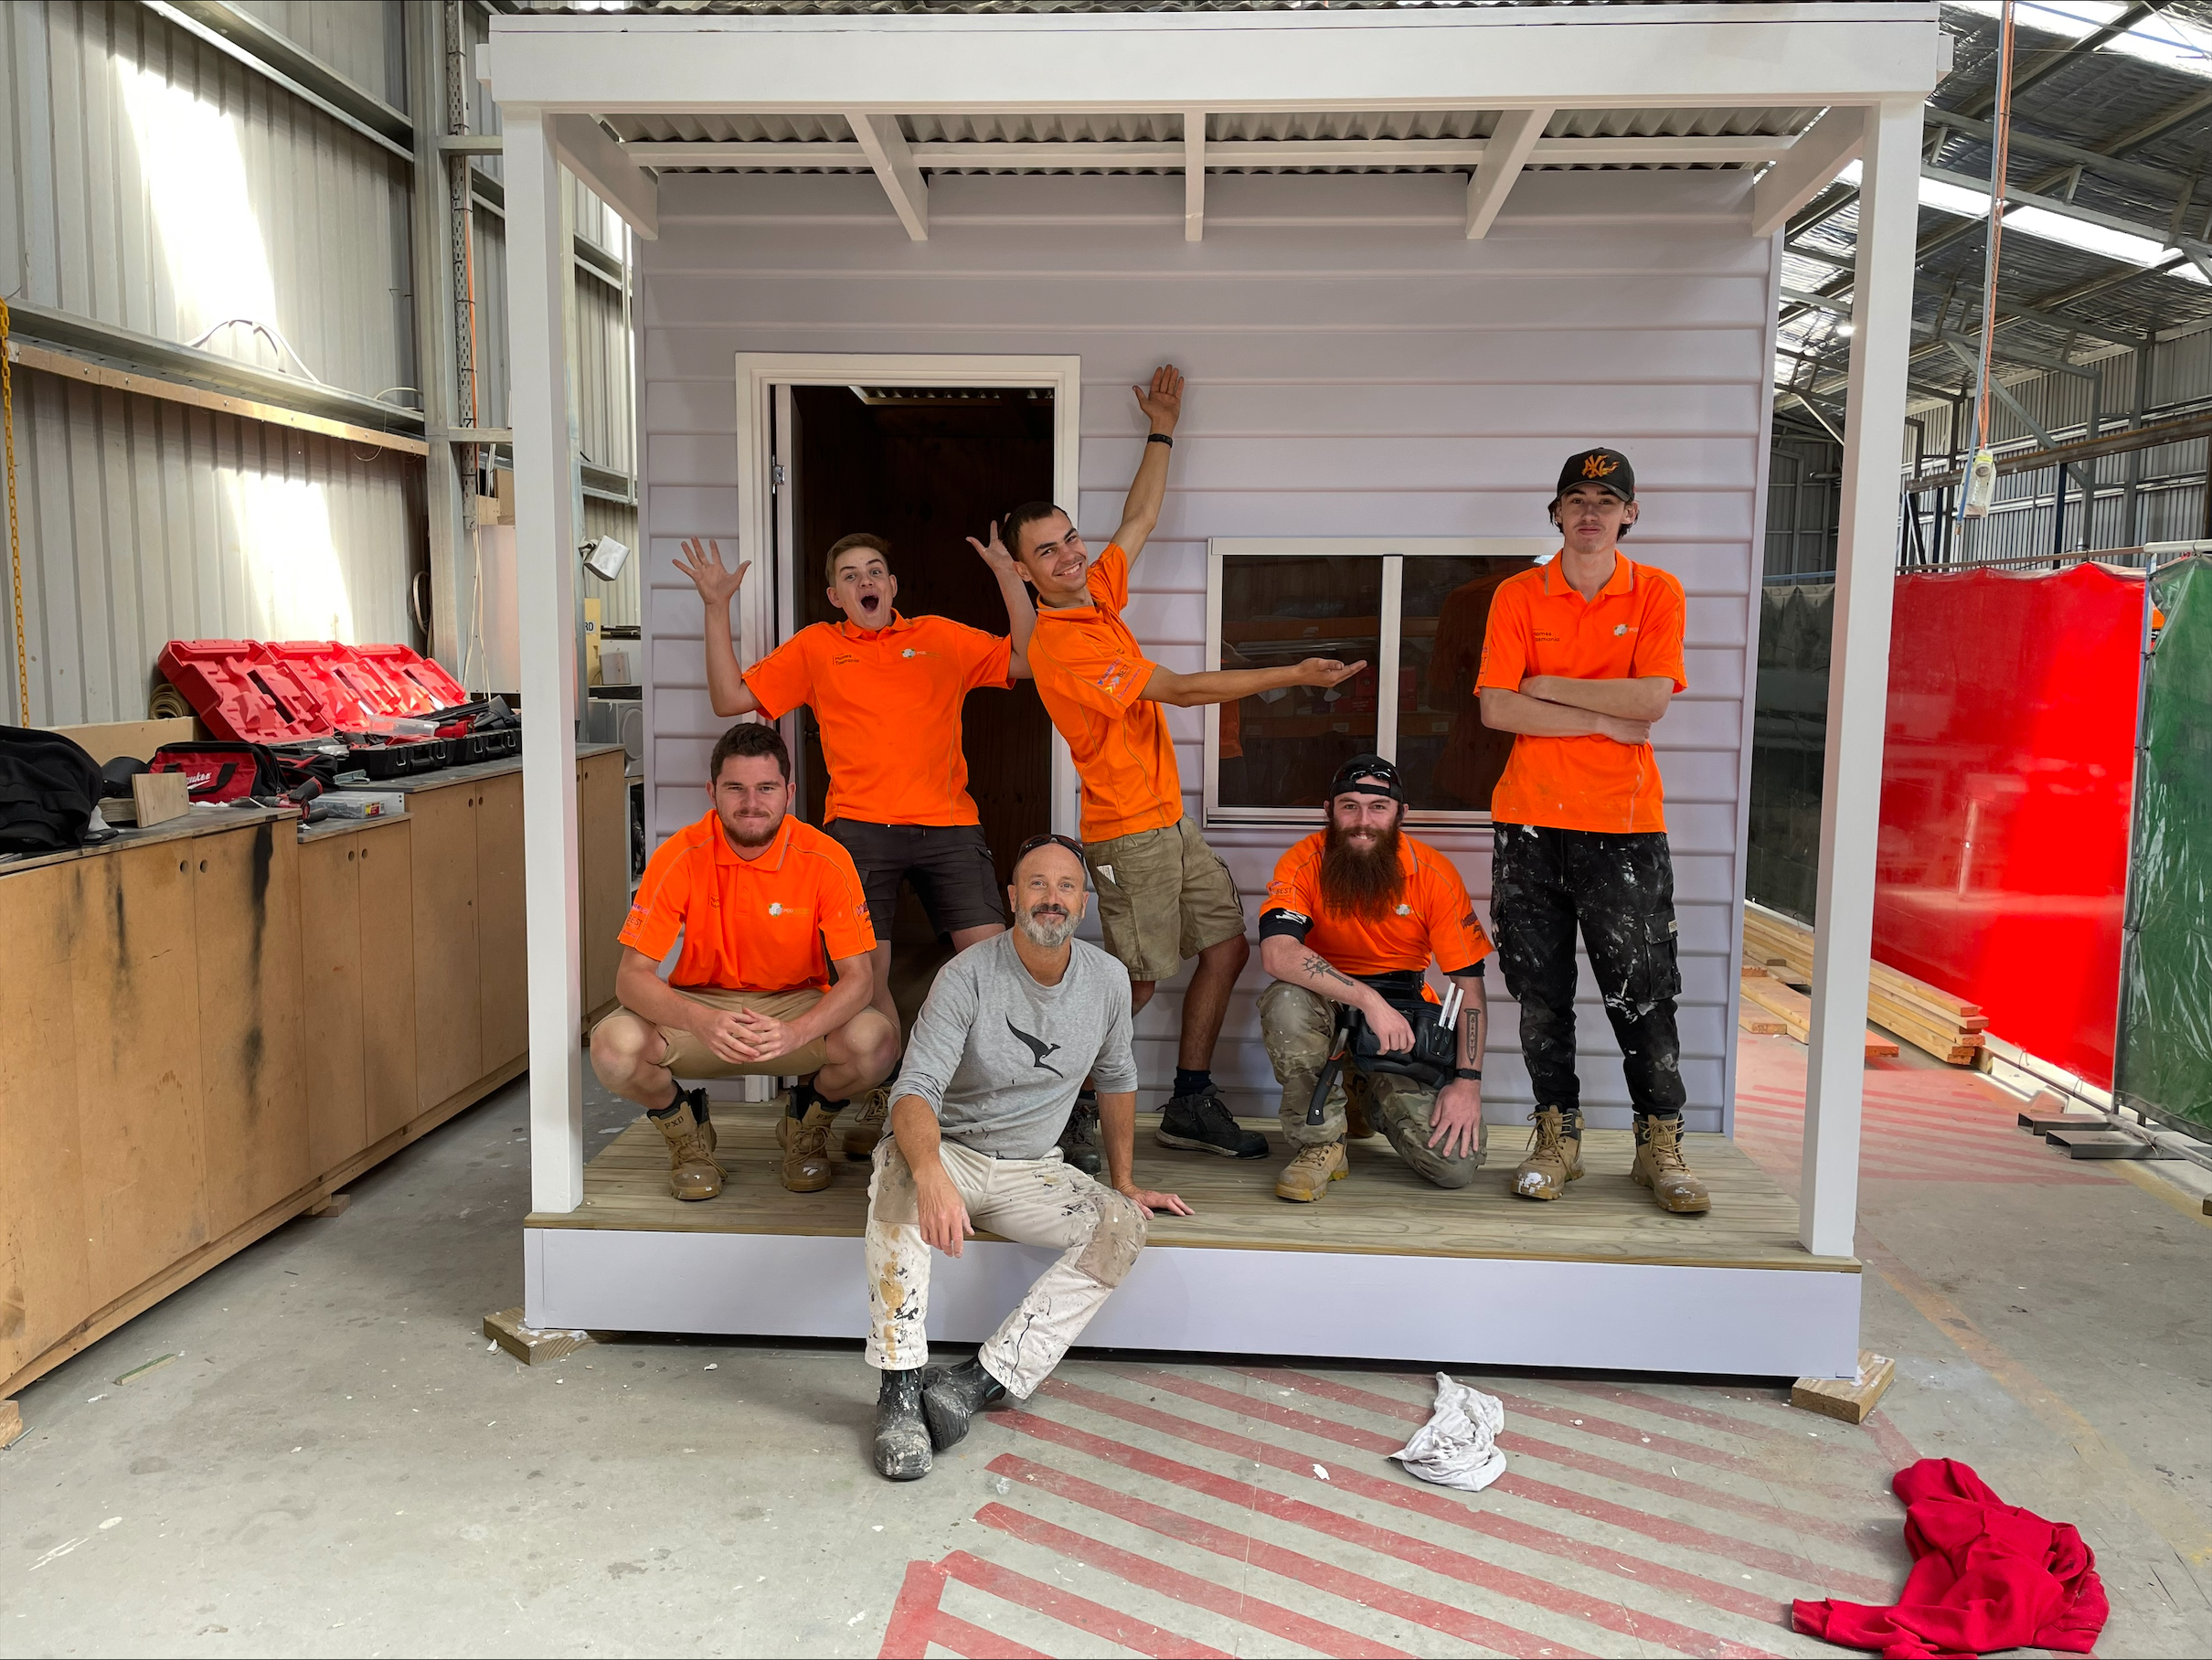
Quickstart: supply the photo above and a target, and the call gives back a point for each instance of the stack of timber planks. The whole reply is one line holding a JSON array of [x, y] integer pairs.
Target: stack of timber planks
[[1948, 1027]]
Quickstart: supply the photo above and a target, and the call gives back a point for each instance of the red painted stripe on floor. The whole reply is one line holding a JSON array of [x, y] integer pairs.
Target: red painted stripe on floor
[[1714, 1498], [1277, 1621], [1295, 1565], [914, 1613], [1892, 1441], [1071, 1609], [1682, 1412], [1686, 1451], [974, 1643], [1797, 1570], [1437, 1559]]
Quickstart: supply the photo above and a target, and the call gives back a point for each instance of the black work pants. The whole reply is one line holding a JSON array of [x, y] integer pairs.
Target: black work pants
[[1620, 890]]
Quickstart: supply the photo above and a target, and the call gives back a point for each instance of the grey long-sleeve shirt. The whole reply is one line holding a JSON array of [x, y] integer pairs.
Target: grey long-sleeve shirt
[[1000, 1058]]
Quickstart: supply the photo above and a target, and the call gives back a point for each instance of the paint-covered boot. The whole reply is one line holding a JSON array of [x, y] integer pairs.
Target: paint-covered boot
[[693, 1172], [867, 1125], [1659, 1165], [953, 1395], [903, 1438], [1079, 1140], [1555, 1156]]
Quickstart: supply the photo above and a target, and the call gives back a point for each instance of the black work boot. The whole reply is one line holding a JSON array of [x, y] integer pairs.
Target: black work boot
[[1202, 1123], [1079, 1140], [902, 1440], [953, 1395]]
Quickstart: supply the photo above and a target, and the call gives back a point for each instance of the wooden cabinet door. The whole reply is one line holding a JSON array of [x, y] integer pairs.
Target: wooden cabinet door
[[449, 1015], [388, 977], [330, 1000], [246, 896], [135, 987], [45, 1258], [602, 803], [503, 959]]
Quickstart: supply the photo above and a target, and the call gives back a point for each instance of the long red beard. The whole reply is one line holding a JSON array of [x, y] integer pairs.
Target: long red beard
[[1365, 884]]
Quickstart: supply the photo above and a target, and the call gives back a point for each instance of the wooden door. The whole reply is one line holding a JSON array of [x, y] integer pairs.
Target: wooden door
[[504, 986], [330, 1000], [449, 1013], [388, 977], [45, 1260], [253, 1119]]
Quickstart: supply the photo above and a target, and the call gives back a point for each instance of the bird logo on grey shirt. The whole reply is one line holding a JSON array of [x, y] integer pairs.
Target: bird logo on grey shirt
[[1038, 1049]]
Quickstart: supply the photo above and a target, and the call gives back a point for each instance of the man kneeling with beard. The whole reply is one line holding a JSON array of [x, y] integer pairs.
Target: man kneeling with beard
[[996, 1055], [1353, 916]]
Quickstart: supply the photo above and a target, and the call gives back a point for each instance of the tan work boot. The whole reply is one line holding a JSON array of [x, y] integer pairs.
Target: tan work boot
[[867, 1129], [1659, 1166], [692, 1171], [1306, 1177], [1356, 1126], [805, 1143], [1555, 1156]]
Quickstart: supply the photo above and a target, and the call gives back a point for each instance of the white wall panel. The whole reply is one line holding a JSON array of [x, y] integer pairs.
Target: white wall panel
[[1357, 367], [364, 40]]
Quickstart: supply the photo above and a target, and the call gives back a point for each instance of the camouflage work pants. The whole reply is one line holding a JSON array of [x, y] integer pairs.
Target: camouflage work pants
[[1296, 1024]]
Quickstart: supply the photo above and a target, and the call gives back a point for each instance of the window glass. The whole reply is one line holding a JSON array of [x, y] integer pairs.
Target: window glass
[[1449, 758], [1281, 750]]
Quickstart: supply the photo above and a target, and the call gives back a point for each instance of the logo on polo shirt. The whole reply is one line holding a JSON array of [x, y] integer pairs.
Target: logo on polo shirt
[[1619, 629], [1405, 910], [1110, 681], [775, 908], [844, 657]]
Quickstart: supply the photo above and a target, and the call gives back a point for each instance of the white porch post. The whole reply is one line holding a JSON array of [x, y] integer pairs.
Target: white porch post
[[1858, 675], [544, 584]]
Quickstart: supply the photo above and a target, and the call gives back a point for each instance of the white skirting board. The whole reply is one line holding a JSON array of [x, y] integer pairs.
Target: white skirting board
[[1479, 1311]]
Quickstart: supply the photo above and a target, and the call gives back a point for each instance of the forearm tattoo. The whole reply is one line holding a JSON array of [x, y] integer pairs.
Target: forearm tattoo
[[1320, 968]]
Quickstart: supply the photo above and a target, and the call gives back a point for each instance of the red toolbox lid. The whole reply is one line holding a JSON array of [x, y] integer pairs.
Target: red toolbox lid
[[314, 664], [240, 692], [426, 684]]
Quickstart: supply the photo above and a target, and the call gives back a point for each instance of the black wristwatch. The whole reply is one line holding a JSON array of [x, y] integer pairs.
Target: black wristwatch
[[1471, 1074], [1159, 438]]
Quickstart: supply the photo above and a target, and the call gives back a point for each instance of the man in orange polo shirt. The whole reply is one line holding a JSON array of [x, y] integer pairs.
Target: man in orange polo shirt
[[1356, 914], [764, 904], [1581, 656], [886, 691], [1164, 894]]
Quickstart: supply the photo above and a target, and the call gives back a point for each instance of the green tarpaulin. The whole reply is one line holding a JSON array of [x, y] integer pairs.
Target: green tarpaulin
[[2164, 1064]]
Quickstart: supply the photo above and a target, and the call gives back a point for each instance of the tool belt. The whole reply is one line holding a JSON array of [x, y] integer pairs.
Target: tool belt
[[1430, 1062]]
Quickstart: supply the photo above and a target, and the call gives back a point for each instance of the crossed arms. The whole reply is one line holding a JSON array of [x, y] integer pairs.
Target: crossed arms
[[1554, 705]]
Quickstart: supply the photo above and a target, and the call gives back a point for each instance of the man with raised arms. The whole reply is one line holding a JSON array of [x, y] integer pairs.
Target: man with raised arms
[[1010, 1030], [1581, 657], [1164, 894], [886, 691]]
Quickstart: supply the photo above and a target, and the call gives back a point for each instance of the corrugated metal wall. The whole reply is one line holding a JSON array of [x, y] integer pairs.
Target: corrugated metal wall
[[156, 183], [1358, 368]]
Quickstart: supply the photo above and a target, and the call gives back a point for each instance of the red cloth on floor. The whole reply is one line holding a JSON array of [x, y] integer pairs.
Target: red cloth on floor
[[1985, 1575]]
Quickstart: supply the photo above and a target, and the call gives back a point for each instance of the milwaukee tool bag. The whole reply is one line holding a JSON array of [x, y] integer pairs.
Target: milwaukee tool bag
[[223, 770], [48, 787]]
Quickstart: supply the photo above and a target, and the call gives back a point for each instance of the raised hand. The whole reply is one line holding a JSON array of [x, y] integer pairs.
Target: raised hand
[[702, 562], [1326, 671], [993, 554], [1163, 401]]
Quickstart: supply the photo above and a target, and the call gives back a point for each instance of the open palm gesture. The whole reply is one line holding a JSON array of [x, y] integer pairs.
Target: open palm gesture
[[1163, 401], [702, 562]]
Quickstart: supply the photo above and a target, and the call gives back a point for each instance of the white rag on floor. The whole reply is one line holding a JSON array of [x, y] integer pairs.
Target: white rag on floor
[[1458, 1446]]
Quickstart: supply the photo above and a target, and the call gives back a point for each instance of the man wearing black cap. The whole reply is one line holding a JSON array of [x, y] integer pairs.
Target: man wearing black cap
[[1581, 657], [1354, 916]]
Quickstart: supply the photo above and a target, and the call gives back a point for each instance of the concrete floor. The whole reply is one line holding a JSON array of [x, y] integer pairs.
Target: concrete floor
[[335, 1464]]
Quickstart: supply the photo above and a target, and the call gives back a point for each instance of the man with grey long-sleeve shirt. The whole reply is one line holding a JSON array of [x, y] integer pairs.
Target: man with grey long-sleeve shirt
[[1008, 1034]]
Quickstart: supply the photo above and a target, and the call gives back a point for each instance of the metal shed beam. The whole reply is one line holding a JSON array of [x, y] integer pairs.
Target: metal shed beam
[[1097, 156], [2049, 62], [306, 76]]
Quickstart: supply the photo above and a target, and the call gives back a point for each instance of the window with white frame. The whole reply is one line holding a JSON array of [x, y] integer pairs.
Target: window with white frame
[[1414, 611]]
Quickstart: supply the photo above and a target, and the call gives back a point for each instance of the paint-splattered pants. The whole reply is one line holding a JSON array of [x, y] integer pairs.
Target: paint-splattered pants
[[1620, 890], [1034, 1201], [1297, 1025]]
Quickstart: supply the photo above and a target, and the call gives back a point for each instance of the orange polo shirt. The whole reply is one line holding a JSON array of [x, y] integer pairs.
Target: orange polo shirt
[[1433, 919], [1090, 673], [888, 707], [751, 925], [1539, 625]]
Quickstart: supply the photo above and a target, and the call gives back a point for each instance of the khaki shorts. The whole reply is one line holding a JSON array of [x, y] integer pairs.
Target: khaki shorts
[[1164, 896], [689, 1058]]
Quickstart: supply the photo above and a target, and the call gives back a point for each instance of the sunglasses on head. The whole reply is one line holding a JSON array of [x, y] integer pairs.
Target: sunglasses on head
[[1035, 841]]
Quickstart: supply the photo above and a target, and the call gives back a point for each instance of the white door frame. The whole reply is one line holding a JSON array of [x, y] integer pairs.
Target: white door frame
[[758, 375]]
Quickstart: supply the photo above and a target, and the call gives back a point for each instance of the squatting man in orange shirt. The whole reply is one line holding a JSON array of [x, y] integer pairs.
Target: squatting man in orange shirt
[[886, 691], [1010, 1029], [1354, 916], [764, 904], [1164, 894], [1581, 656]]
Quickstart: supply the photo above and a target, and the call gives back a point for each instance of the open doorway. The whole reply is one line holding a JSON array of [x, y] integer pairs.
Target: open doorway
[[925, 468]]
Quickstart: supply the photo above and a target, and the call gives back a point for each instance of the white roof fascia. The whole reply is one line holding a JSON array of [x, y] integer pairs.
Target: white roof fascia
[[1505, 57]]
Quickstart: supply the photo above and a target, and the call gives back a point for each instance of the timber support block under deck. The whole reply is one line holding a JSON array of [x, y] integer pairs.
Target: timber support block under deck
[[530, 1344], [1853, 1399]]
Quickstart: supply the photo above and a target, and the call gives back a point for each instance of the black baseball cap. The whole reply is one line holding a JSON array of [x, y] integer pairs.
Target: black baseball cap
[[1367, 775], [1608, 468]]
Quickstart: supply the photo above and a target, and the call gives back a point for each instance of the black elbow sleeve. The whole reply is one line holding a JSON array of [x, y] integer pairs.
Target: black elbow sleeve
[[1290, 924]]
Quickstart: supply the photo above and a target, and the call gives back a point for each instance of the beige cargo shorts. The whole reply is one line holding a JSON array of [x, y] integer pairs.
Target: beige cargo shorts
[[689, 1058], [1164, 896]]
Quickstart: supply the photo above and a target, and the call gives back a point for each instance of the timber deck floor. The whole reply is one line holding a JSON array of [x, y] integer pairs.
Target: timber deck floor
[[1383, 1209]]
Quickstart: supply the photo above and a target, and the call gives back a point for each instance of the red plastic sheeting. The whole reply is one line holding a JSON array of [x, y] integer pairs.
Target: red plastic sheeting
[[2010, 751]]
